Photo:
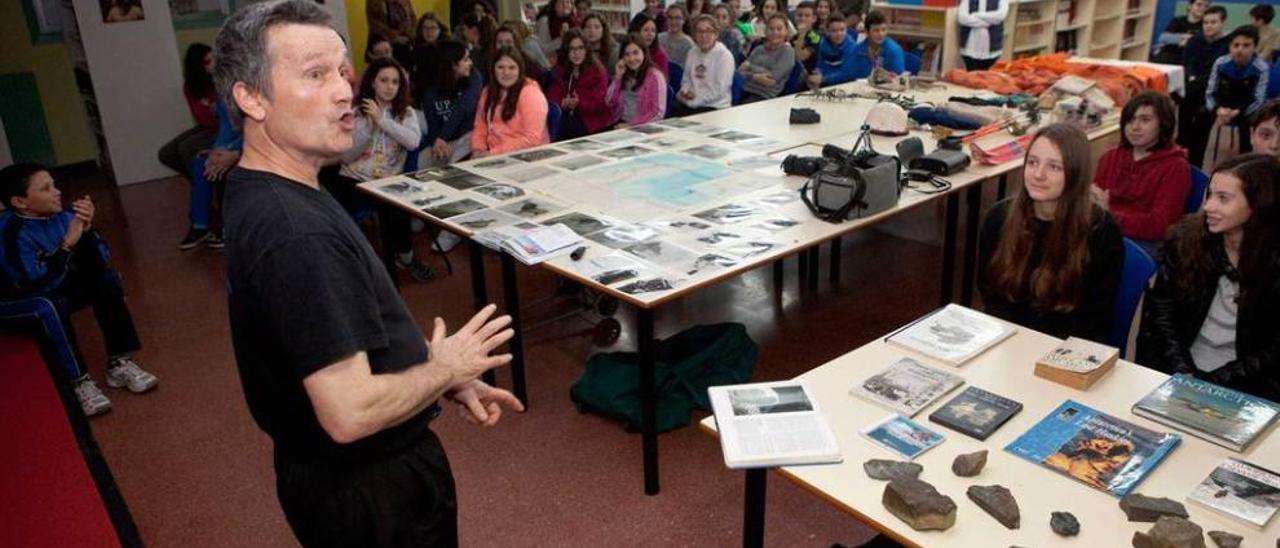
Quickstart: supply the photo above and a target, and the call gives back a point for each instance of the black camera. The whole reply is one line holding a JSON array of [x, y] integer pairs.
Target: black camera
[[804, 166]]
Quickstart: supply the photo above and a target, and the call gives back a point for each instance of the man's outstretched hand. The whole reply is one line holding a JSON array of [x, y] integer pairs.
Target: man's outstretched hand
[[482, 404]]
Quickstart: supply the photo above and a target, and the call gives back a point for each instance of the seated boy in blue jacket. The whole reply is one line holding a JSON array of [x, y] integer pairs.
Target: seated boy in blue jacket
[[50, 254], [835, 55], [878, 50], [1238, 84]]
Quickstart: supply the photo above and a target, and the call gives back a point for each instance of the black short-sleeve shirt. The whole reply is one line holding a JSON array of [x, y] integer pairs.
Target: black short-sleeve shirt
[[305, 290]]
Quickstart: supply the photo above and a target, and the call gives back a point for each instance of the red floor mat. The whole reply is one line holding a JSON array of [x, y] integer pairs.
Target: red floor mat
[[48, 496]]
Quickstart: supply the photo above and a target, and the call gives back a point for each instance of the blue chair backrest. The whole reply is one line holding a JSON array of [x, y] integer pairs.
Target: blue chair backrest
[[912, 63], [411, 157], [1199, 187], [1138, 269], [735, 92], [794, 80], [553, 120], [675, 75]]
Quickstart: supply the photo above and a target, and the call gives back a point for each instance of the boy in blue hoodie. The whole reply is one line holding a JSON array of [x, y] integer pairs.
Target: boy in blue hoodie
[[878, 50], [1238, 84], [54, 255], [835, 55]]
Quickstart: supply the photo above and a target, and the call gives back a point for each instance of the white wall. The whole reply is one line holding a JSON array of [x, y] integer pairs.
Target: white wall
[[137, 78]]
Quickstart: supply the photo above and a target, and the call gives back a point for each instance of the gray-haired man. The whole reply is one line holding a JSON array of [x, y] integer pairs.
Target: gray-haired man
[[334, 368]]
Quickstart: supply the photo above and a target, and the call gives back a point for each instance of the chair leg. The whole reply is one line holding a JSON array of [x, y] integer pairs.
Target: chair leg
[[435, 242]]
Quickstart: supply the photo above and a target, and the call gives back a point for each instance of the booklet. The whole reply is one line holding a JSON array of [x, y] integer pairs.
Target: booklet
[[537, 245], [903, 436], [1220, 415], [906, 386], [954, 334], [1077, 363], [1240, 490], [771, 424], [976, 413]]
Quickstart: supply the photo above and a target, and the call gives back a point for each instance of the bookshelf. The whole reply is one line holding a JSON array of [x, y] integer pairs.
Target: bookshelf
[[617, 13], [930, 31]]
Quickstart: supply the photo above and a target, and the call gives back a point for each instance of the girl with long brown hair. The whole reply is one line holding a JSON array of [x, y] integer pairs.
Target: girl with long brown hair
[[600, 39], [578, 85], [512, 114], [1050, 258], [1214, 310], [638, 93]]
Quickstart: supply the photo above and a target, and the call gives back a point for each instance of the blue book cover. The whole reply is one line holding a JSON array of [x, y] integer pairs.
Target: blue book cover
[[903, 436], [1217, 414], [1094, 448]]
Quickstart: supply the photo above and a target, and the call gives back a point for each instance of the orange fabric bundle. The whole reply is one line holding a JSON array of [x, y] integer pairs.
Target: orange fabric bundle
[[1034, 75]]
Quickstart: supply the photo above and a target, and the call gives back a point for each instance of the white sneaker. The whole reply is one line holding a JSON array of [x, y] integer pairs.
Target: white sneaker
[[92, 400], [124, 372], [447, 240]]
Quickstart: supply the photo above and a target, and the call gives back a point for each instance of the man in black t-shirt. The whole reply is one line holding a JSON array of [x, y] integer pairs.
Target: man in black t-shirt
[[1170, 43], [333, 366]]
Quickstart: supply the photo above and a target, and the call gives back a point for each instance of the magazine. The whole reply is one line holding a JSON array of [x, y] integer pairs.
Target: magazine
[[954, 334], [903, 436], [976, 413], [771, 424], [540, 244], [1094, 448], [906, 386], [1220, 415], [1240, 490]]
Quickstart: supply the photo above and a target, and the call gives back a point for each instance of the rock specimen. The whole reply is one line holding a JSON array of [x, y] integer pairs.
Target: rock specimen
[[888, 470], [1170, 532], [997, 501], [969, 464], [1143, 508], [919, 505], [1064, 523], [1226, 540]]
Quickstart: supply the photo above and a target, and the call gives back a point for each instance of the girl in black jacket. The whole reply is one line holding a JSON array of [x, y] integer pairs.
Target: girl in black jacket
[[1214, 310]]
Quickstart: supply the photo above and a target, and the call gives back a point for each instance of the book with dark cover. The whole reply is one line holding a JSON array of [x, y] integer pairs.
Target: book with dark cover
[[1094, 448], [1240, 490], [906, 386], [1220, 415], [976, 413]]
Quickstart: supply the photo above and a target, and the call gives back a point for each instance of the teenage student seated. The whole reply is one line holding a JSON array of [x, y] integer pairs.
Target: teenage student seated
[[1238, 84], [512, 114], [1202, 50], [638, 93], [1265, 129], [878, 51], [708, 72], [578, 85], [1214, 310], [835, 55], [56, 255], [1144, 181], [449, 104], [1050, 257], [675, 41]]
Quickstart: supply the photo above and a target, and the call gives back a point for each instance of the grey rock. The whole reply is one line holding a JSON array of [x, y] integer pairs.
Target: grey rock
[[1064, 523], [997, 501], [1148, 509], [1227, 540], [888, 470], [969, 465], [919, 504], [1170, 532]]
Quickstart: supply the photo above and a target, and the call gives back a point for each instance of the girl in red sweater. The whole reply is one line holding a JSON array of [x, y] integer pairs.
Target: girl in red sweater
[[512, 114], [578, 86], [1144, 182]]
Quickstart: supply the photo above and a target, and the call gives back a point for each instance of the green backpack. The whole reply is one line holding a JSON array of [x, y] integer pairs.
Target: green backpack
[[686, 365]]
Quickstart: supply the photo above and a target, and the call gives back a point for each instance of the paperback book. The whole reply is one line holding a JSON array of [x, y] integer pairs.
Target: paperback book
[[906, 386], [1240, 490], [540, 244], [1220, 415], [771, 424], [1077, 363], [903, 436], [1094, 448], [976, 413], [953, 334]]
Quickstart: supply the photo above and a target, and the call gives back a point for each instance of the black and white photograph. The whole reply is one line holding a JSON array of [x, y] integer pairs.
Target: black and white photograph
[[427, 201], [581, 145], [720, 238], [779, 198], [464, 180], [500, 191], [537, 155], [453, 209], [709, 262], [729, 213], [664, 142], [754, 162], [680, 226], [621, 236], [710, 152], [666, 254], [679, 123], [581, 223], [610, 277], [528, 174], [649, 129], [497, 162], [776, 223], [533, 208], [615, 137], [734, 136], [578, 162], [437, 173], [626, 152], [767, 401], [751, 248], [399, 189], [484, 218], [647, 286]]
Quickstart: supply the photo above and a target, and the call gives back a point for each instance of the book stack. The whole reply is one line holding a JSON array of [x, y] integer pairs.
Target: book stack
[[1077, 363], [1219, 415]]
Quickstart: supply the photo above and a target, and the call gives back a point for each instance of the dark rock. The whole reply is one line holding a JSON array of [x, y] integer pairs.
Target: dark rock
[[969, 464], [1227, 540], [1143, 508], [997, 501], [1170, 532], [1064, 523], [919, 505], [888, 470]]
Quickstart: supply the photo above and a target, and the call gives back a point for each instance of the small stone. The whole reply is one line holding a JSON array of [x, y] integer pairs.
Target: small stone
[[888, 470], [919, 505], [1064, 523], [1227, 540], [969, 465], [1170, 532], [997, 501], [1148, 509]]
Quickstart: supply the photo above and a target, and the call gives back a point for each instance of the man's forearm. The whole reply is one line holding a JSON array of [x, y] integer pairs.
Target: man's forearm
[[353, 403]]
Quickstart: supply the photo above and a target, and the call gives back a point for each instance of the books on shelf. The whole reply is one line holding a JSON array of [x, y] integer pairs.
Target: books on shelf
[[1241, 491], [906, 386], [1077, 363], [976, 413], [903, 436], [1094, 448], [1219, 415], [953, 334], [771, 424]]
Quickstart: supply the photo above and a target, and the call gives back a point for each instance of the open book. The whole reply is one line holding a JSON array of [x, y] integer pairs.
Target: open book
[[531, 244], [771, 424]]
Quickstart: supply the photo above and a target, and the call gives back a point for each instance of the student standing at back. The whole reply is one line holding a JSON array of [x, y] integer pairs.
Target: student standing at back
[[1202, 51], [1050, 258], [1171, 43]]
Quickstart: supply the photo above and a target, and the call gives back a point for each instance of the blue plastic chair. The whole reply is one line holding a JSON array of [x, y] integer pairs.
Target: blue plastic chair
[[794, 80], [553, 120], [675, 75], [1138, 269], [735, 92], [1199, 189], [912, 62]]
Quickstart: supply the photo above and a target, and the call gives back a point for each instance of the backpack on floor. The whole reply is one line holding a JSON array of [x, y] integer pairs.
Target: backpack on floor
[[685, 366]]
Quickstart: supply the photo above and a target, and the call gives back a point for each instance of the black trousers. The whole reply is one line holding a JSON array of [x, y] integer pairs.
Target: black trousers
[[404, 499], [357, 203], [978, 64], [681, 109], [178, 153], [90, 283]]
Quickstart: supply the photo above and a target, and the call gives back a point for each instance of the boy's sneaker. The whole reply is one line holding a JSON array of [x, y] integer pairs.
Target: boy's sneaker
[[447, 241], [214, 241], [123, 372], [92, 400], [417, 270], [195, 237]]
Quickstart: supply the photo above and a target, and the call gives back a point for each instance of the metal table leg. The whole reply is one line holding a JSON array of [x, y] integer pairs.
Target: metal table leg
[[803, 271], [753, 512], [834, 275], [779, 274], [511, 298], [812, 274], [648, 399], [949, 248], [1003, 187], [388, 254], [479, 293], [973, 206]]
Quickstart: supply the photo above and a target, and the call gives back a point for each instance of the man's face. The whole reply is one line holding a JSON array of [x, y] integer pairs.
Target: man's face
[[1266, 137], [805, 18], [1242, 49], [877, 33], [308, 112], [1212, 25], [43, 198], [837, 32], [1197, 8]]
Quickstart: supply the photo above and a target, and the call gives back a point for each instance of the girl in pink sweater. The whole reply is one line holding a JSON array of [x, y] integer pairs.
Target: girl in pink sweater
[[512, 114], [638, 93]]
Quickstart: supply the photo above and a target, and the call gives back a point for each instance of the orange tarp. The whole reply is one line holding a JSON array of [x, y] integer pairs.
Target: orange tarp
[[1034, 75]]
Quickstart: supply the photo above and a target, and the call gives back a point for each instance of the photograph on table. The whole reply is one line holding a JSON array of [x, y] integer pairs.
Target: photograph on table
[[649, 129], [651, 285], [613, 268], [710, 152], [780, 197], [581, 223], [679, 123], [399, 188], [710, 262], [621, 236], [752, 247], [427, 199], [437, 173], [623, 153], [729, 213], [464, 180], [664, 142], [760, 145], [526, 174], [533, 207], [776, 223], [575, 163], [484, 219], [615, 137], [769, 400], [493, 237], [754, 162], [903, 436], [735, 136], [453, 209], [681, 227], [537, 155], [666, 254], [496, 162], [500, 191], [581, 145]]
